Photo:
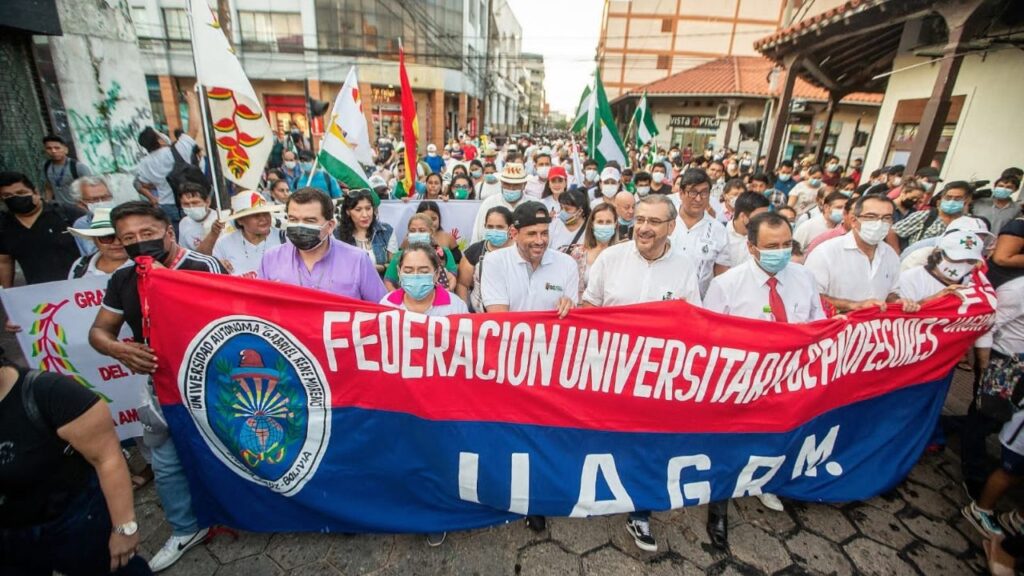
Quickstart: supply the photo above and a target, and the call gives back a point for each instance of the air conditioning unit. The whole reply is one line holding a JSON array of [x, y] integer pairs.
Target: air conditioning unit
[[722, 113]]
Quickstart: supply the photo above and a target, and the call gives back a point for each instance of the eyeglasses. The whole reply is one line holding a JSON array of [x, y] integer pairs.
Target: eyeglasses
[[875, 218], [641, 220], [698, 193], [106, 239]]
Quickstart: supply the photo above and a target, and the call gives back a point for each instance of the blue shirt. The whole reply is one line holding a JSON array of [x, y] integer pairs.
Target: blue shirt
[[784, 187], [435, 162]]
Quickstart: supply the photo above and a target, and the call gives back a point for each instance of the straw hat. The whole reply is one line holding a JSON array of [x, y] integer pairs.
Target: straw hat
[[248, 203], [513, 173]]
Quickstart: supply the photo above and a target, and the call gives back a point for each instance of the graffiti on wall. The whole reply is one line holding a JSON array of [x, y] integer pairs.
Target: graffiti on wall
[[107, 141]]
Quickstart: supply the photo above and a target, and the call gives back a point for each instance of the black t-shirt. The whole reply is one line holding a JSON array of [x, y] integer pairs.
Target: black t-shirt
[[473, 252], [45, 251], [36, 480], [999, 275], [123, 288]]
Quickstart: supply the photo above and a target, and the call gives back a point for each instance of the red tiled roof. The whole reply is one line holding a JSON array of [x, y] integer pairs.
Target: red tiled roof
[[808, 24], [738, 76]]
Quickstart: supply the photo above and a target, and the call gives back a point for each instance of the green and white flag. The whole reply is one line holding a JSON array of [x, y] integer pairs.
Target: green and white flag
[[582, 122], [603, 141], [644, 121], [347, 142]]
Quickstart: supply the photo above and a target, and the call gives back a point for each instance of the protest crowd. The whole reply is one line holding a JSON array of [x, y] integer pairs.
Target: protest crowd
[[555, 229]]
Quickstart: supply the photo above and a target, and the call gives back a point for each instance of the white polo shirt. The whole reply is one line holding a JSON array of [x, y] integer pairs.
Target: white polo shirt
[[736, 251], [843, 271], [743, 291], [810, 230], [509, 280], [704, 244], [621, 276], [480, 223], [244, 257], [917, 284], [191, 233]]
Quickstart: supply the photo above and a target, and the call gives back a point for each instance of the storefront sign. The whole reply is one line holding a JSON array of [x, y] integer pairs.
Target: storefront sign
[[706, 122]]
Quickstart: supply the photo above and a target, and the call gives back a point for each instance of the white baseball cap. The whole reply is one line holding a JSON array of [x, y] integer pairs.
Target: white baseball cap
[[961, 245]]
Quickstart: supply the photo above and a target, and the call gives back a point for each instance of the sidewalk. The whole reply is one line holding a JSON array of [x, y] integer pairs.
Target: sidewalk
[[917, 529]]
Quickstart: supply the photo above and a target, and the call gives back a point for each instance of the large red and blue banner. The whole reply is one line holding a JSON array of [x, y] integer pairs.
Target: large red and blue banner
[[296, 410]]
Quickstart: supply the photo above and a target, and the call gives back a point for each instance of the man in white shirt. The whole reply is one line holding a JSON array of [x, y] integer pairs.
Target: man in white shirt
[[513, 181], [201, 226], [697, 233], [535, 183], [527, 275], [241, 252], [767, 286], [745, 206], [648, 269], [830, 216], [858, 270]]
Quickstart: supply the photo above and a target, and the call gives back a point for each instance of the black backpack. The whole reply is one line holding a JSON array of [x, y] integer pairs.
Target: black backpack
[[182, 173], [73, 166]]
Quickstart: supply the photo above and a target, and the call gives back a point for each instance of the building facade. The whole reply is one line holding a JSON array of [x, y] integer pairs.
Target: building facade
[[504, 70], [294, 50], [536, 98], [646, 40]]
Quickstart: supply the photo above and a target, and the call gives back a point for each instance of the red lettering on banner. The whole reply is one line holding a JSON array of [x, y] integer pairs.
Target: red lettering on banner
[[89, 298], [112, 372], [128, 416]]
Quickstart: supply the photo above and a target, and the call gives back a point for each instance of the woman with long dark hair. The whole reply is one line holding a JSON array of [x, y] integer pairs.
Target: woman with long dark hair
[[360, 227]]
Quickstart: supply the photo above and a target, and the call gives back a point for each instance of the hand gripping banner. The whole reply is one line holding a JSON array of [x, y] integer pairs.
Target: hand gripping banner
[[296, 410]]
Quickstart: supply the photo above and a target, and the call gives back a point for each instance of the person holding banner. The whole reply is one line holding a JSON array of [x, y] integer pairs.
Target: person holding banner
[[241, 252], [146, 230], [109, 255], [313, 258], [496, 236], [647, 269], [65, 494], [513, 181], [766, 286]]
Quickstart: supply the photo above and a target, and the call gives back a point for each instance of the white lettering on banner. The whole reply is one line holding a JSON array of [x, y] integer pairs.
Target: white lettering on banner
[[596, 468], [56, 317], [523, 354]]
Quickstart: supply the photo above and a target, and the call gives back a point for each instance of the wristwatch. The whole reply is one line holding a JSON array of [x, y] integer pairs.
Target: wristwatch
[[127, 529]]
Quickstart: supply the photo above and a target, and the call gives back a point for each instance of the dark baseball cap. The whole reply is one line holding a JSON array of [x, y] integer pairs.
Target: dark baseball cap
[[530, 213], [929, 173]]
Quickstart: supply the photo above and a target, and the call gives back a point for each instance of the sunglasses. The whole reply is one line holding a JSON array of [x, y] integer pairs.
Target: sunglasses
[[106, 239]]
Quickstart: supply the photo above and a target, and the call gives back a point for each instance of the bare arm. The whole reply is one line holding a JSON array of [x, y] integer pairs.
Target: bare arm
[[497, 308], [206, 244], [1008, 251], [92, 435], [194, 127], [103, 338], [465, 282], [6, 270], [844, 305]]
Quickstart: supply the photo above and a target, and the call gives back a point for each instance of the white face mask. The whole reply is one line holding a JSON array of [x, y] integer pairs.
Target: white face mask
[[289, 164], [542, 172], [874, 232], [643, 190], [197, 213], [609, 190], [954, 271], [590, 175], [658, 177], [97, 205]]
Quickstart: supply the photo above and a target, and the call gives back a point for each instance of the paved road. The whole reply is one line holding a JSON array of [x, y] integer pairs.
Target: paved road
[[916, 529]]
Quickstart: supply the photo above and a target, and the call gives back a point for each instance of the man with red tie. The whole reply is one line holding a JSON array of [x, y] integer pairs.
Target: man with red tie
[[766, 287]]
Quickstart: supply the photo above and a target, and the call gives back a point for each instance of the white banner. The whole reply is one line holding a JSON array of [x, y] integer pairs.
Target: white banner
[[457, 217], [55, 319]]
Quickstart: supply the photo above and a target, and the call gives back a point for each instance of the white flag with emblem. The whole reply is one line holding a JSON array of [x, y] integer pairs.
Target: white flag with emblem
[[347, 142]]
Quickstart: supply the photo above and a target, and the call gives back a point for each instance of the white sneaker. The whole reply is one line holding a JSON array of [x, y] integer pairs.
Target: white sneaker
[[771, 502], [175, 548]]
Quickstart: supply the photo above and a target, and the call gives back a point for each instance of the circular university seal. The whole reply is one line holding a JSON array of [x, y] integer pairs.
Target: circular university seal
[[260, 400]]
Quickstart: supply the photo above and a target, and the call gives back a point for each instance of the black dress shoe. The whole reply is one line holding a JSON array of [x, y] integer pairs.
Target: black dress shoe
[[718, 525], [536, 523]]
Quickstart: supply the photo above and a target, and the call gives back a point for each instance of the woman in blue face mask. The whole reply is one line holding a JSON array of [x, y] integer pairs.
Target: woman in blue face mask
[[440, 237], [420, 230], [495, 237], [567, 228], [599, 234]]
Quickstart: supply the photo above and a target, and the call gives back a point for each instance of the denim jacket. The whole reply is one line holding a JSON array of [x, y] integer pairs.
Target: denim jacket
[[380, 233]]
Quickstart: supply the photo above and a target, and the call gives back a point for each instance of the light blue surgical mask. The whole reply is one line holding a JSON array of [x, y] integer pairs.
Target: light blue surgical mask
[[604, 232], [847, 193], [952, 206], [565, 216], [1001, 193], [476, 174], [814, 182], [836, 215], [511, 196], [496, 237], [490, 178], [624, 222], [773, 261], [785, 177], [417, 285], [306, 166], [418, 238]]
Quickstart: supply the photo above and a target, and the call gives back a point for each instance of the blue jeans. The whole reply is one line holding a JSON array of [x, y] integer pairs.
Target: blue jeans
[[75, 544], [174, 214], [168, 473]]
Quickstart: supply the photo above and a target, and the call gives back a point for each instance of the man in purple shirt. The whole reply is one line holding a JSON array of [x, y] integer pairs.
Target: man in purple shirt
[[314, 259]]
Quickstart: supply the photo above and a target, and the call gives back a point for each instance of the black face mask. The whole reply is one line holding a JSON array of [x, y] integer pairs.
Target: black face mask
[[20, 204], [908, 203], [154, 248], [304, 237]]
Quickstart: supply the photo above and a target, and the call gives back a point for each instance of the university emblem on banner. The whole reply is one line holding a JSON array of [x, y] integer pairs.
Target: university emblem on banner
[[260, 400]]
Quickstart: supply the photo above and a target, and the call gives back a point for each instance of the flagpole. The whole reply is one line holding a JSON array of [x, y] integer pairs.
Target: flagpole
[[211, 145], [591, 144], [316, 159]]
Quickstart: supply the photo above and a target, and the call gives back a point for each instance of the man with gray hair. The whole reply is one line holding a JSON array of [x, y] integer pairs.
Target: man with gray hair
[[89, 193], [647, 269]]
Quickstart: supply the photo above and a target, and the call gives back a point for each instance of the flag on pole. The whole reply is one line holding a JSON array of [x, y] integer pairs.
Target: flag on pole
[[582, 121], [577, 165], [410, 126], [242, 133], [347, 142], [644, 121], [603, 141]]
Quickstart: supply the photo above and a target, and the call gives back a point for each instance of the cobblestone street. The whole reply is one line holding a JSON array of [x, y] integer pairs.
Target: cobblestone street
[[916, 529]]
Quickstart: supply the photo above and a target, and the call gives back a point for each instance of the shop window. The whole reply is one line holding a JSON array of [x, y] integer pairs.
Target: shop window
[[666, 24], [270, 31], [905, 130]]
